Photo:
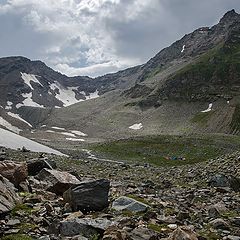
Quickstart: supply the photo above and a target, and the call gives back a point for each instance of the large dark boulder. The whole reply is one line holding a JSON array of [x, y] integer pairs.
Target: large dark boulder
[[220, 180], [56, 181], [36, 165], [88, 196]]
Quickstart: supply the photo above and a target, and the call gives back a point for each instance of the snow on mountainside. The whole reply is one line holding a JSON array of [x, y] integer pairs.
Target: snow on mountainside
[[14, 141]]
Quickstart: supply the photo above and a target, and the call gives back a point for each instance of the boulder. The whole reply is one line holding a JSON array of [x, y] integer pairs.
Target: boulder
[[56, 181], [183, 234], [219, 224], [88, 196], [36, 165], [129, 204], [114, 233], [3, 155], [143, 233], [8, 196], [14, 172], [220, 180], [86, 227]]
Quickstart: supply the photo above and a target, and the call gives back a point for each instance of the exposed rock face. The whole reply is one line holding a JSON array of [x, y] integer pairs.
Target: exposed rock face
[[56, 181], [8, 196], [14, 172], [129, 204], [36, 165], [88, 196]]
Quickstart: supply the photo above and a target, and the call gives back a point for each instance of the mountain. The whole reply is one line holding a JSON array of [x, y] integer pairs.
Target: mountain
[[191, 86]]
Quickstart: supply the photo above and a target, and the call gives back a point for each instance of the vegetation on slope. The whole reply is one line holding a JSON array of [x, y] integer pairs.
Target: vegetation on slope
[[167, 150]]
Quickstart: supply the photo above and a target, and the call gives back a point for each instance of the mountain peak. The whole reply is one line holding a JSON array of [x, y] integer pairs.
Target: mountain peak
[[230, 16]]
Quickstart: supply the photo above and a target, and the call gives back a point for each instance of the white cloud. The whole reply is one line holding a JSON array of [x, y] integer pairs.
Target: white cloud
[[96, 36]]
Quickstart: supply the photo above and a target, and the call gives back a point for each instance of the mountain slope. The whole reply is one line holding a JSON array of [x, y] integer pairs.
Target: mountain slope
[[191, 86]]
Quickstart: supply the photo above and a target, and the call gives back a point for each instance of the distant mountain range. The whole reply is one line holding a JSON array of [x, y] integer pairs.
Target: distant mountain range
[[191, 86]]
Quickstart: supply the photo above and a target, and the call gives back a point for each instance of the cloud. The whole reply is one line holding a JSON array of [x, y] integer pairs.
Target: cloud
[[94, 37]]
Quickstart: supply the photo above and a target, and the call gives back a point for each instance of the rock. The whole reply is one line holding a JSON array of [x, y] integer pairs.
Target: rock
[[36, 165], [8, 196], [114, 233], [14, 172], [56, 181], [214, 211], [229, 237], [86, 227], [183, 234], [129, 204], [88, 196], [3, 154], [219, 224], [143, 234], [221, 180]]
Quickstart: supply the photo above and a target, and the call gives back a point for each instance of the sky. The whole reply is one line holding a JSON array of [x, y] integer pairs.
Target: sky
[[95, 37]]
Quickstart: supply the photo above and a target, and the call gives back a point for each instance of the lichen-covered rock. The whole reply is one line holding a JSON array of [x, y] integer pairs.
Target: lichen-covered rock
[[14, 172]]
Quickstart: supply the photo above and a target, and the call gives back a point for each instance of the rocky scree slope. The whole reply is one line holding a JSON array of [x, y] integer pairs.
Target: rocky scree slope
[[135, 202]]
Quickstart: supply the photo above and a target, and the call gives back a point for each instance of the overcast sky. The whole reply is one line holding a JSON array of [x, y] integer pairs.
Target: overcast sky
[[94, 37]]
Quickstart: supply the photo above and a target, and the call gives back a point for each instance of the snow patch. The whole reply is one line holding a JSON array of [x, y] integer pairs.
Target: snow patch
[[136, 126], [14, 115], [50, 131], [9, 126], [183, 49], [228, 102], [27, 78], [208, 109], [68, 134], [58, 128], [79, 133], [28, 101], [9, 105], [75, 139], [14, 141]]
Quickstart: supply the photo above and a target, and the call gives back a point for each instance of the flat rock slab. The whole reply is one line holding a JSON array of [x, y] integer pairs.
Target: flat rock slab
[[8, 196], [86, 227], [88, 196], [57, 181], [129, 204]]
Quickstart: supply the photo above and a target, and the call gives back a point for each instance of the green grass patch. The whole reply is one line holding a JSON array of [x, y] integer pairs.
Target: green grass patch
[[21, 208], [167, 150], [202, 118], [16, 237]]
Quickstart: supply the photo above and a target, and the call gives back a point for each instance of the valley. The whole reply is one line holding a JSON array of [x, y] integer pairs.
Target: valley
[[147, 153]]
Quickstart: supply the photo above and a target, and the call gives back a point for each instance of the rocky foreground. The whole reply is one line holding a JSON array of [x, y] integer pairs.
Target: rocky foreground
[[117, 201]]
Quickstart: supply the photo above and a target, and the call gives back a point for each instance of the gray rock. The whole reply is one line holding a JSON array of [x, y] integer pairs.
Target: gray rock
[[219, 224], [129, 204], [221, 180], [57, 181], [36, 165], [88, 196], [183, 234], [8, 196], [143, 234], [86, 227]]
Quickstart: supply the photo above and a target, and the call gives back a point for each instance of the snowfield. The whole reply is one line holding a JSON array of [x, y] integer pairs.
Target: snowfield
[[136, 126], [9, 126], [14, 141], [27, 78]]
